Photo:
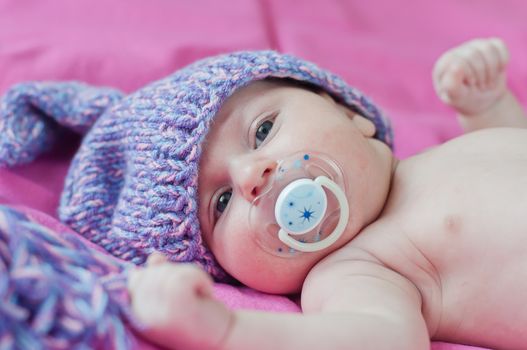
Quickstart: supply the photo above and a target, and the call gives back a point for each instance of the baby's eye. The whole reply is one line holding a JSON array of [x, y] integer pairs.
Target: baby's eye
[[263, 131], [223, 200]]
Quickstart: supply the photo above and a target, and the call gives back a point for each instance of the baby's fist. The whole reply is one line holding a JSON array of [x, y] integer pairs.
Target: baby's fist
[[471, 77], [175, 306]]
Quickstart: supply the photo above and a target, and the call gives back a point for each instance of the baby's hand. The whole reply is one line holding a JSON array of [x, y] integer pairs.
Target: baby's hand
[[174, 303], [471, 77]]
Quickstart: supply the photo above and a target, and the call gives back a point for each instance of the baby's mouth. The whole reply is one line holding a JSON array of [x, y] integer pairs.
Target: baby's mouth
[[305, 184]]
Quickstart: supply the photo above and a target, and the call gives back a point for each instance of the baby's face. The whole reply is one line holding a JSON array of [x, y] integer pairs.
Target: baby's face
[[257, 126]]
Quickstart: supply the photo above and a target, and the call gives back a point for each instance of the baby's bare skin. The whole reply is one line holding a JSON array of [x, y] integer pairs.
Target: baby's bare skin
[[455, 227], [443, 256], [454, 224]]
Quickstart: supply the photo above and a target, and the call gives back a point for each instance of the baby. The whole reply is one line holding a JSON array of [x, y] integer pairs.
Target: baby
[[434, 246]]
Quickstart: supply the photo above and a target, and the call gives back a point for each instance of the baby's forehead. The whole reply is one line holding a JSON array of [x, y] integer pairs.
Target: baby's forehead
[[236, 105], [258, 91], [234, 117], [257, 88]]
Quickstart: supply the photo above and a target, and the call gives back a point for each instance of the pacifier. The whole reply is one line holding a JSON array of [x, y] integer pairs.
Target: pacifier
[[303, 207]]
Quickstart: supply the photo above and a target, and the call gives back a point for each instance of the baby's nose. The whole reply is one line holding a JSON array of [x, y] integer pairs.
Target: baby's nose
[[253, 176]]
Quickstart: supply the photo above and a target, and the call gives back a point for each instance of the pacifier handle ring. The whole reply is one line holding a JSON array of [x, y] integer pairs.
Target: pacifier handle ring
[[285, 237]]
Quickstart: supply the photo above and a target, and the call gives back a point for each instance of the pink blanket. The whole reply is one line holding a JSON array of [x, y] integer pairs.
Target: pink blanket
[[386, 49]]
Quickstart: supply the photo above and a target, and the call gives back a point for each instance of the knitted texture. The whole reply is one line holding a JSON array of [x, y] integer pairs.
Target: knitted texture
[[132, 186], [56, 292], [31, 115]]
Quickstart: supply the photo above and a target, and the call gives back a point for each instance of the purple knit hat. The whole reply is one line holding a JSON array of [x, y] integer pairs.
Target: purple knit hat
[[132, 186]]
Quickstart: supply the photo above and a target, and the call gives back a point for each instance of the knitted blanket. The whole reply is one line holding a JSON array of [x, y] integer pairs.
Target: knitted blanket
[[57, 291]]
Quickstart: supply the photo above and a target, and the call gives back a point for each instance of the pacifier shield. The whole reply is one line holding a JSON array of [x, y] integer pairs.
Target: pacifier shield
[[303, 207], [300, 206]]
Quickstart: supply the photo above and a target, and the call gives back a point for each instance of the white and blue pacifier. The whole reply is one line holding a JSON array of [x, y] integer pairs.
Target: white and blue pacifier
[[303, 208]]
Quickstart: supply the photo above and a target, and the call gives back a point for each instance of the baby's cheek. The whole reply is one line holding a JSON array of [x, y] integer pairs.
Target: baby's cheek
[[242, 259], [233, 244], [321, 136]]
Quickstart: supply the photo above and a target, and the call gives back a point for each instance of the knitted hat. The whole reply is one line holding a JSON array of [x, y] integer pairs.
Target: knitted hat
[[132, 186]]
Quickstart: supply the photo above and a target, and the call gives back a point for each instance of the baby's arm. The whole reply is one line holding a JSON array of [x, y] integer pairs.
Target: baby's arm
[[347, 305], [472, 79], [367, 307]]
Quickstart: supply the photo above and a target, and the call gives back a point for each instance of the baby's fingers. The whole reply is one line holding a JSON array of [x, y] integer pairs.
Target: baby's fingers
[[451, 85], [156, 258], [487, 57], [498, 58], [500, 51]]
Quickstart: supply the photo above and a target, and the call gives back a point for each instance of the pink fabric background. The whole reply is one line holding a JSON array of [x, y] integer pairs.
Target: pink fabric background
[[384, 48]]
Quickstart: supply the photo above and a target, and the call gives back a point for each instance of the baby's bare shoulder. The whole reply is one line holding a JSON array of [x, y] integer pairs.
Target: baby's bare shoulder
[[486, 140], [444, 173]]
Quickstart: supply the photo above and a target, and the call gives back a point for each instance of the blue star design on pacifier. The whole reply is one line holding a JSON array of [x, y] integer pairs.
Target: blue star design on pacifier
[[300, 206], [307, 214]]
